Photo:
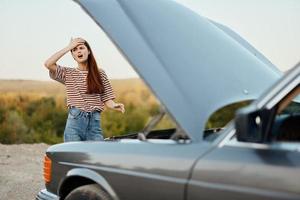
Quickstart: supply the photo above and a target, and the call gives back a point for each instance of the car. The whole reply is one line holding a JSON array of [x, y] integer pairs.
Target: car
[[194, 66]]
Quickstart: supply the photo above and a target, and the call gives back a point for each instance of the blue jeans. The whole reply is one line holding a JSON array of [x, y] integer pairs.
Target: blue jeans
[[82, 126]]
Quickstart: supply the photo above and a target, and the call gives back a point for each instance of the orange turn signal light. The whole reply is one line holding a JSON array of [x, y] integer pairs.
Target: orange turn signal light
[[47, 169]]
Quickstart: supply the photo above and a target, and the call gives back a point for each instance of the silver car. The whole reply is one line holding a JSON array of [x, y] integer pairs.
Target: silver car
[[194, 66]]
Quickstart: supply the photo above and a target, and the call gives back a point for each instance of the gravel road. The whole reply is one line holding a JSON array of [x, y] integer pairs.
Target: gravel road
[[21, 171]]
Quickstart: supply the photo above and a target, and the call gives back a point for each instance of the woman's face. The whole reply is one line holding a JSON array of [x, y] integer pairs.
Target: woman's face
[[80, 53]]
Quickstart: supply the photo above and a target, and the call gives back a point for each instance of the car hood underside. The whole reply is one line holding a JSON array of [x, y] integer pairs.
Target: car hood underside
[[193, 65]]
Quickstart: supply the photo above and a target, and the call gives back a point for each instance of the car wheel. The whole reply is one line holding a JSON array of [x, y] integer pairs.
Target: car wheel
[[88, 192]]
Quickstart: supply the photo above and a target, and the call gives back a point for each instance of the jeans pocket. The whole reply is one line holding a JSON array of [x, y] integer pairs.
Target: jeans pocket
[[74, 113], [97, 116]]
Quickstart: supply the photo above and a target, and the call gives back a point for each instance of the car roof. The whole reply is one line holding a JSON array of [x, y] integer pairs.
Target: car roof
[[193, 65]]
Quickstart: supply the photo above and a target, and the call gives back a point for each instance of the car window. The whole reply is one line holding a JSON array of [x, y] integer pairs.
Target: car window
[[287, 119]]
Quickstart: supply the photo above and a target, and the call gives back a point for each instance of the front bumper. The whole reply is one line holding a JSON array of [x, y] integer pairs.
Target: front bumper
[[45, 195]]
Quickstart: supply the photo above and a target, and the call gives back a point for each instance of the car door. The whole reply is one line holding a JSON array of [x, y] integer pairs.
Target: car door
[[248, 171]]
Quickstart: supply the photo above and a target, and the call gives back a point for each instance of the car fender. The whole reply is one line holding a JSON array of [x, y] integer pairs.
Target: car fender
[[93, 176]]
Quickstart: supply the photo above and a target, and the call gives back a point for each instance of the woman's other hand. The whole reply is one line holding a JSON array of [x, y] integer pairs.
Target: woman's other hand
[[115, 106], [119, 107]]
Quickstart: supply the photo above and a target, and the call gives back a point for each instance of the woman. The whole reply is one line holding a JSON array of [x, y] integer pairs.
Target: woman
[[88, 91]]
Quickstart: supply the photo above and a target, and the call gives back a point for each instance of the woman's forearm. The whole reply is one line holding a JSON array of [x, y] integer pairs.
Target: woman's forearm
[[51, 62], [110, 104]]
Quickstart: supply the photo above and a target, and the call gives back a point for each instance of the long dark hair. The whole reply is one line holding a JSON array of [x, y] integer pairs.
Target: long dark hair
[[94, 80]]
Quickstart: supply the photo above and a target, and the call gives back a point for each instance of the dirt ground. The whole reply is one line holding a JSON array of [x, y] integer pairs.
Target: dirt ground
[[21, 171]]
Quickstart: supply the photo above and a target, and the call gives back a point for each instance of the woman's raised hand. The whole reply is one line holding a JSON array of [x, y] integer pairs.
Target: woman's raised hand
[[75, 42]]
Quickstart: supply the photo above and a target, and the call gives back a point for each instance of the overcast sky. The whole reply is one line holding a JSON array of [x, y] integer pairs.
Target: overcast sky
[[32, 30]]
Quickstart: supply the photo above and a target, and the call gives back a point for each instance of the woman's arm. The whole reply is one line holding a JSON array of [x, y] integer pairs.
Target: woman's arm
[[51, 62], [115, 106]]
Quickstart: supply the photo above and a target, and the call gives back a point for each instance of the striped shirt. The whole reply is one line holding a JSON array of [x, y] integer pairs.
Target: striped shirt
[[76, 88]]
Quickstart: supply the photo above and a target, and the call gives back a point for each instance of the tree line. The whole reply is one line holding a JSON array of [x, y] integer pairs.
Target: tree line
[[34, 118]]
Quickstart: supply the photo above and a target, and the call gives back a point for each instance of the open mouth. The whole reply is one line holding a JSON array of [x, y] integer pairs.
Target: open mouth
[[80, 56]]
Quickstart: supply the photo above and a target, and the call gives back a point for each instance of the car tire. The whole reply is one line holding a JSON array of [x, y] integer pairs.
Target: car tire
[[88, 192]]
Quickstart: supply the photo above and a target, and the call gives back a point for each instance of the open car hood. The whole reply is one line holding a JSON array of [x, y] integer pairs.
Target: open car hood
[[193, 65]]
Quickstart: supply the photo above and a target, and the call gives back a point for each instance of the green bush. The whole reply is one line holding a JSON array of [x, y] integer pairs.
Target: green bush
[[27, 119]]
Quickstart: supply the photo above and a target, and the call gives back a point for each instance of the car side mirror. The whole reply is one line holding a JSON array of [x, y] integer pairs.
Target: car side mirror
[[250, 124]]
